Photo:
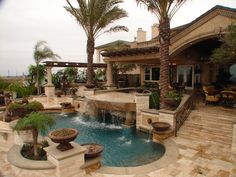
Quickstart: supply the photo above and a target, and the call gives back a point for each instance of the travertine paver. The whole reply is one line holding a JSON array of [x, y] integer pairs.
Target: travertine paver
[[204, 147]]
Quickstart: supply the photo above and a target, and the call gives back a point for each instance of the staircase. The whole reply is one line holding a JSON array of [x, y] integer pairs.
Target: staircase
[[209, 123]]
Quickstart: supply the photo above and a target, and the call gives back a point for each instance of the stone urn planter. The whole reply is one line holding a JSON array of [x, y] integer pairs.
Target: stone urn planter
[[172, 100], [93, 150], [67, 107], [171, 103], [160, 126], [63, 136]]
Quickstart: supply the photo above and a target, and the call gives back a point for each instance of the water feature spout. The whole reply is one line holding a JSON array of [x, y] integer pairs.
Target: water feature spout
[[149, 121]]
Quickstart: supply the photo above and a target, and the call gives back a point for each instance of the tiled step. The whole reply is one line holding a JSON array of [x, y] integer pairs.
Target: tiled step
[[208, 132], [215, 113], [200, 136], [210, 117], [205, 133], [208, 125]]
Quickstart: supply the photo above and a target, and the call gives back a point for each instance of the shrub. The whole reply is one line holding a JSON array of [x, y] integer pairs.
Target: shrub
[[33, 106], [154, 100], [27, 151], [173, 94], [15, 106]]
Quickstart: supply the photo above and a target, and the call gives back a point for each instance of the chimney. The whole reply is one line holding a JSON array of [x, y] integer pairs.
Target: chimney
[[155, 30], [141, 35]]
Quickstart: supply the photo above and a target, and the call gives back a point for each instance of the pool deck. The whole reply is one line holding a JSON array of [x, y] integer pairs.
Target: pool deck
[[204, 149]]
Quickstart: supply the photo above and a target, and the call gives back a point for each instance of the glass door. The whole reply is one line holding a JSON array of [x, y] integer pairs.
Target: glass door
[[185, 76]]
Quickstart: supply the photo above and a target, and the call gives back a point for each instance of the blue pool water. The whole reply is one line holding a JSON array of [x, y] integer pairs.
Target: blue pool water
[[122, 146]]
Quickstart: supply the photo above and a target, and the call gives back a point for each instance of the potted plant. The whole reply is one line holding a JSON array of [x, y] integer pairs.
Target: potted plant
[[63, 136], [172, 99], [36, 122], [67, 107], [58, 93]]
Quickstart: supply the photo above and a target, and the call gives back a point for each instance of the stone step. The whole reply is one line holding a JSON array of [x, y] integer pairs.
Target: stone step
[[218, 116], [215, 113], [205, 134], [200, 137], [209, 125], [208, 131]]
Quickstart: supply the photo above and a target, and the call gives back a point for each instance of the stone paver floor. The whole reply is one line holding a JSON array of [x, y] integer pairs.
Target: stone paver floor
[[198, 156]]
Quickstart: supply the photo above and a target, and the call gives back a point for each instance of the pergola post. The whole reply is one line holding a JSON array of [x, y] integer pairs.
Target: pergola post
[[49, 88], [109, 75], [142, 75], [49, 76]]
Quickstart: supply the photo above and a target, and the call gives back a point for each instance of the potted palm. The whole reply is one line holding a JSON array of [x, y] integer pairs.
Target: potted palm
[[35, 122]]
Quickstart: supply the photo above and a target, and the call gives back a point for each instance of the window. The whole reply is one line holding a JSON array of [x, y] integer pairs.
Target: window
[[147, 74], [152, 74]]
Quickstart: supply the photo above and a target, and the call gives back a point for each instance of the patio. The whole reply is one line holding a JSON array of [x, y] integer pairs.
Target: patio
[[204, 147]]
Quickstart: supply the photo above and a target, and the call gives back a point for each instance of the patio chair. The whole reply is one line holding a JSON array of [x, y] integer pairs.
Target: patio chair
[[228, 98], [211, 94]]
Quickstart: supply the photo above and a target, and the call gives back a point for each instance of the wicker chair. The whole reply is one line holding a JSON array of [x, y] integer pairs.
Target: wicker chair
[[211, 94]]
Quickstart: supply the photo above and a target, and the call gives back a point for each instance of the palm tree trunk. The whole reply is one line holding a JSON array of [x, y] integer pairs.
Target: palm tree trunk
[[35, 142], [164, 30], [37, 79], [90, 52]]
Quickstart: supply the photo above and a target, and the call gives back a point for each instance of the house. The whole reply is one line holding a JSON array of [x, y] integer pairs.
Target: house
[[190, 50]]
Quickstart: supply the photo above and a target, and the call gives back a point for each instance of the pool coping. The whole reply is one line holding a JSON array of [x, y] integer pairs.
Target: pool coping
[[170, 156]]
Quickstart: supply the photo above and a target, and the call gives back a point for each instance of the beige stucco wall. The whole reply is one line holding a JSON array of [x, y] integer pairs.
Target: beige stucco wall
[[208, 26]]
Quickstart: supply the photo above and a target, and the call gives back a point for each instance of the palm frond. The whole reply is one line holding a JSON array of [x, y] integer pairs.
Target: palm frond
[[39, 121], [95, 16], [162, 9]]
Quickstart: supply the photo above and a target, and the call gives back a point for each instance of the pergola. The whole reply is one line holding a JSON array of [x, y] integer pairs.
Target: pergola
[[50, 64], [73, 64]]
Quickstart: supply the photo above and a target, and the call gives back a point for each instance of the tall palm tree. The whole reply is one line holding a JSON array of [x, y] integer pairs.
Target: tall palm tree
[[42, 52], [164, 10], [95, 16]]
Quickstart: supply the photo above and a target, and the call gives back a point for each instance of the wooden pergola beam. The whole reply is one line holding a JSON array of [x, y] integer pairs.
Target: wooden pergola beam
[[73, 64]]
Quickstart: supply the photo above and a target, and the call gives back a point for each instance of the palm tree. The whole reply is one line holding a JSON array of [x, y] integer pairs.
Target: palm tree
[[36, 122], [32, 70], [164, 10], [95, 16], [42, 52]]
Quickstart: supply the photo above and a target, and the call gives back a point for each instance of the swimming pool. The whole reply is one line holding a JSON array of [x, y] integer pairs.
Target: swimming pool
[[123, 147]]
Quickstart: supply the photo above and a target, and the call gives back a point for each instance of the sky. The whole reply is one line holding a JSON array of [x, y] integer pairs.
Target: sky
[[24, 22]]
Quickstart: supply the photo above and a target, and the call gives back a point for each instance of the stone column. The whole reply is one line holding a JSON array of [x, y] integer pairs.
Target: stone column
[[68, 163], [142, 76], [109, 74], [49, 88], [49, 76]]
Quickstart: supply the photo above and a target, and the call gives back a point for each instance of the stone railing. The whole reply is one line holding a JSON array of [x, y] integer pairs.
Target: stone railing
[[183, 112]]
